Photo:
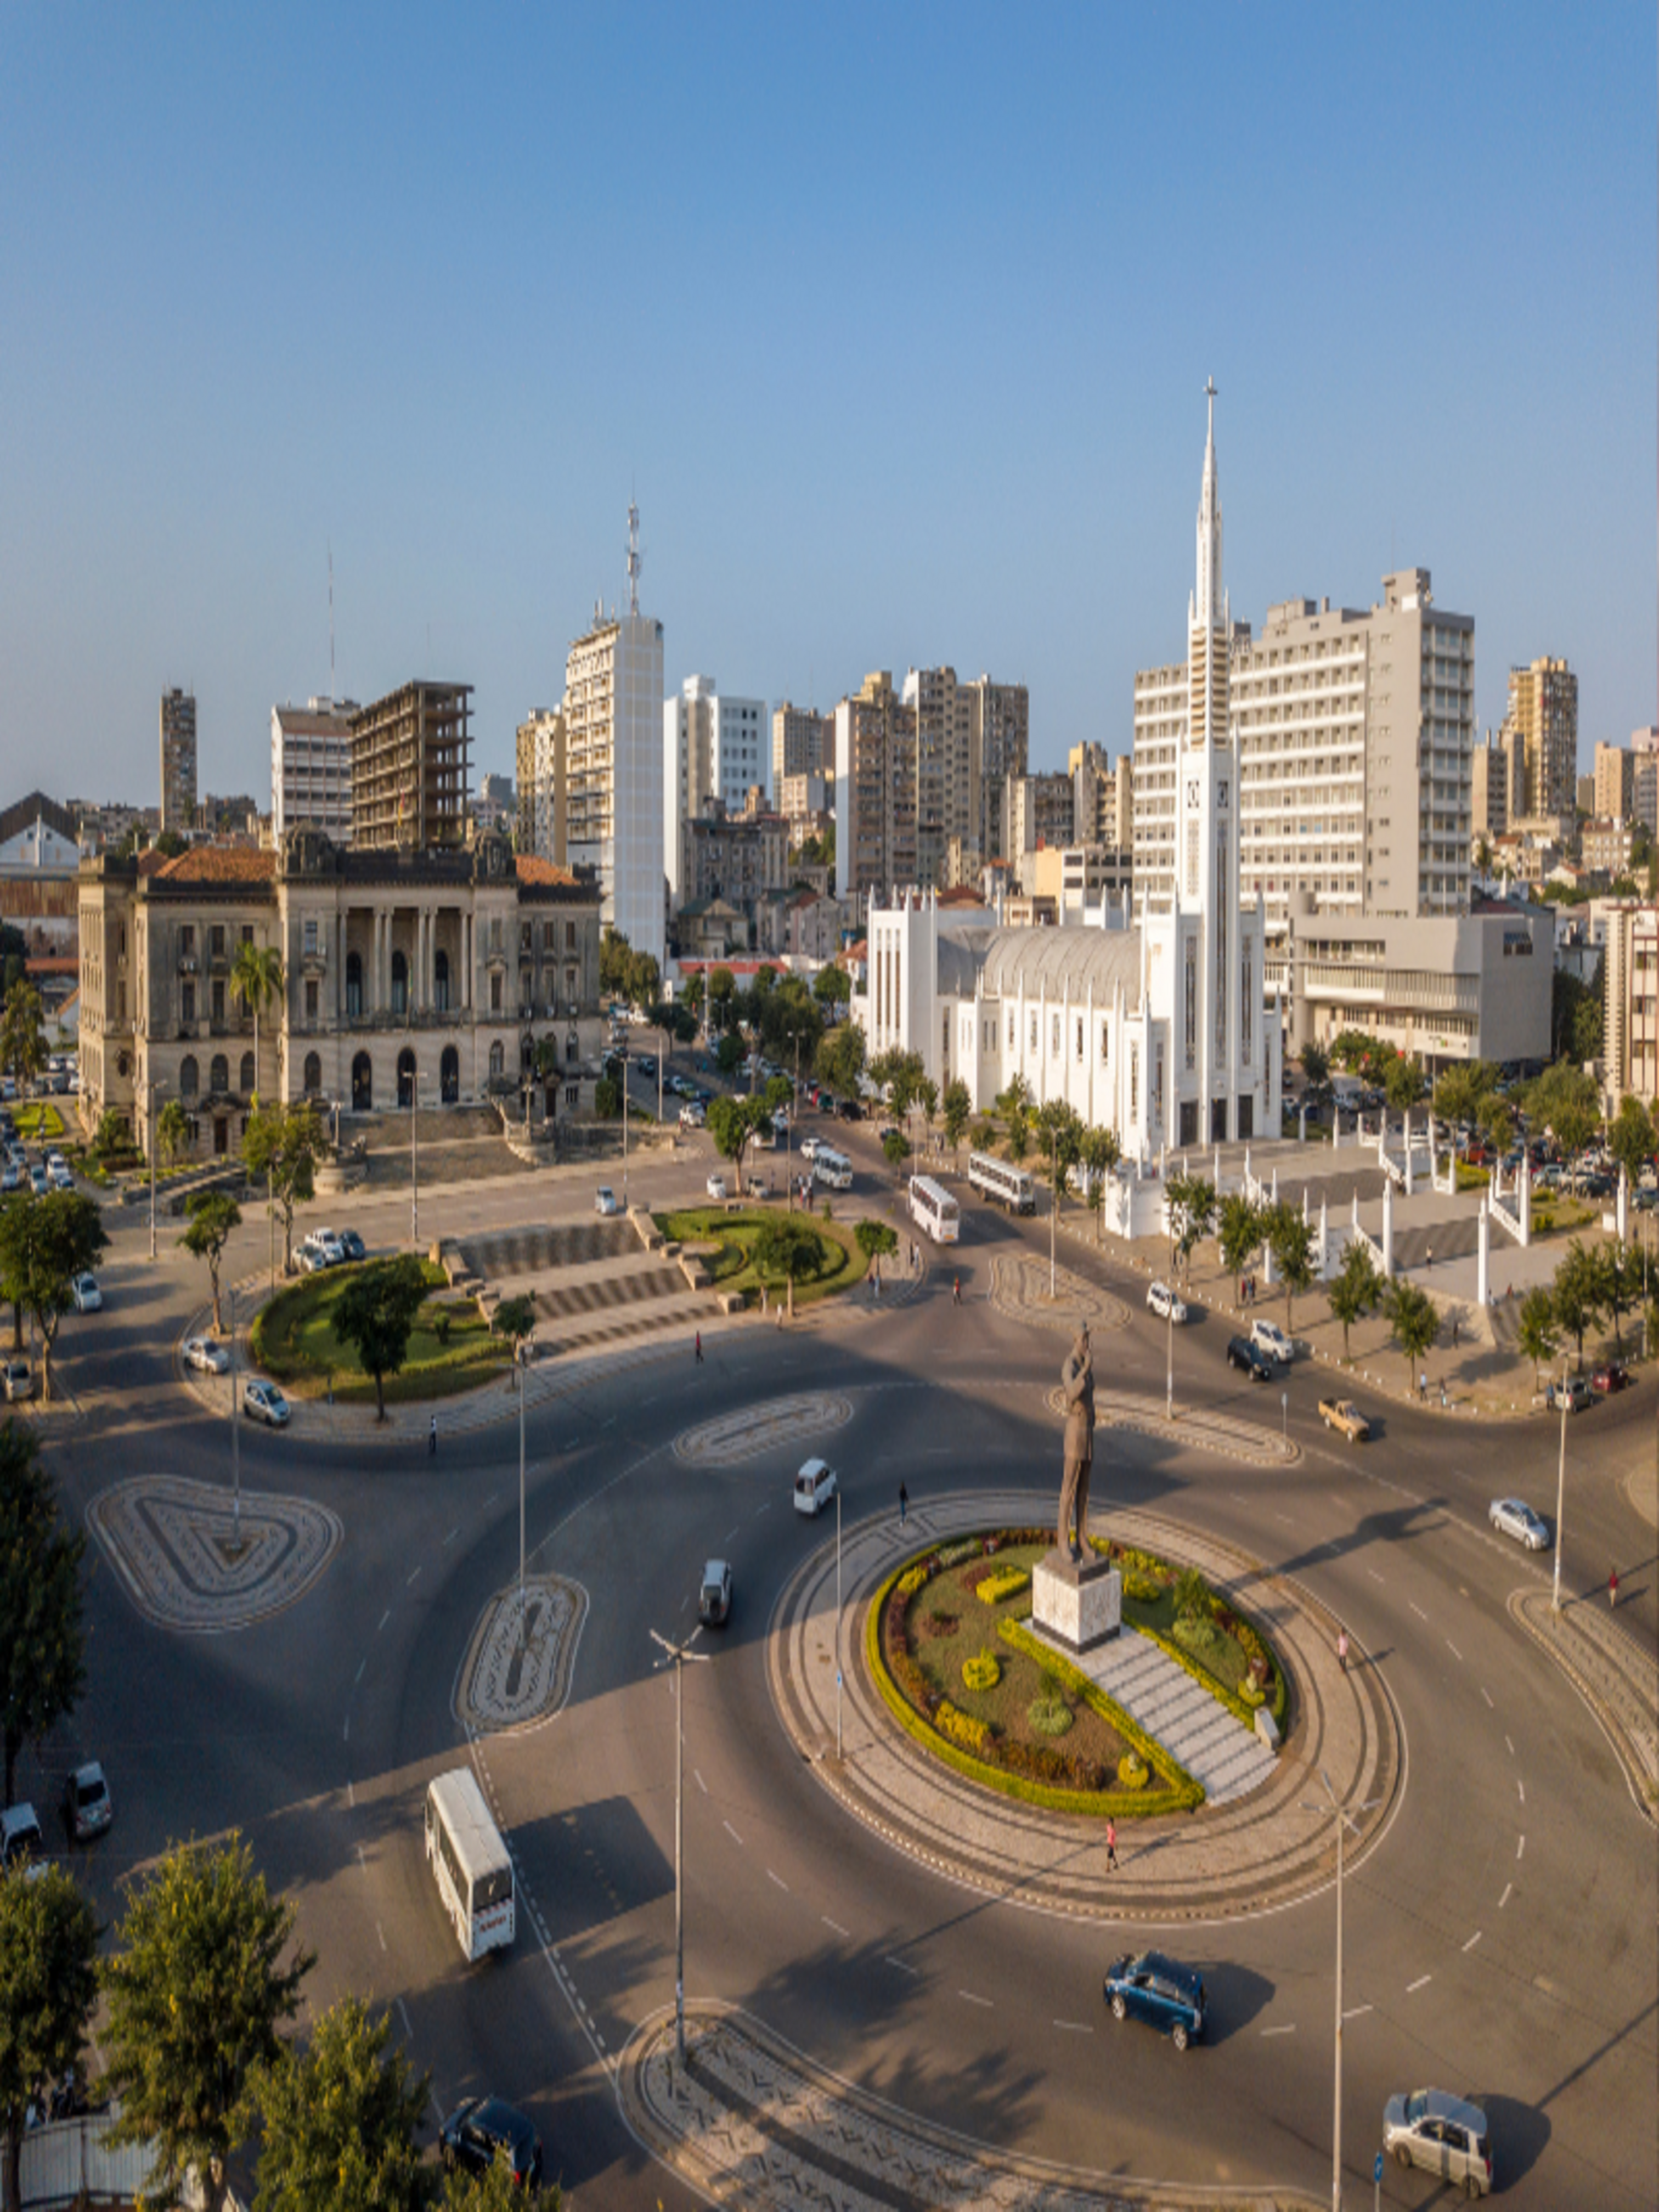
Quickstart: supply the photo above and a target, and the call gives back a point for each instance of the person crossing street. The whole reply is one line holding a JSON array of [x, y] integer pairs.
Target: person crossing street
[[904, 1504]]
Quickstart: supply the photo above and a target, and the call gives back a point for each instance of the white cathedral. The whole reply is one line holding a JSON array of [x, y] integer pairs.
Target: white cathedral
[[1163, 1029]]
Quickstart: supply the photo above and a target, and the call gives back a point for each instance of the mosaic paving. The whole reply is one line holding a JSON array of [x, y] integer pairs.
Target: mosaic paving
[[1201, 1431], [1019, 1289], [780, 1423], [174, 1545], [507, 1680]]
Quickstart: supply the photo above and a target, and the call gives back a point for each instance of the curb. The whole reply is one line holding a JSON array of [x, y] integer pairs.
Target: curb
[[1631, 1723]]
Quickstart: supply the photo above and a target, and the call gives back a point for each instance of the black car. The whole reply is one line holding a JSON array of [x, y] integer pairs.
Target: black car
[[1242, 1352], [353, 1245], [476, 2131], [1156, 1989]]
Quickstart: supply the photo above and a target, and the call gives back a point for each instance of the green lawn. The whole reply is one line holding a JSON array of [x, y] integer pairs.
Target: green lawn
[[294, 1340], [37, 1123], [730, 1238]]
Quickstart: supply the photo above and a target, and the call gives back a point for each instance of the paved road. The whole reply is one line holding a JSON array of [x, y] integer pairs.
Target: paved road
[[1501, 1940]]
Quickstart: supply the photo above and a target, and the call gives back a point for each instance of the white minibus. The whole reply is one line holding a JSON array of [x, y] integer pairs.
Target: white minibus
[[469, 1861], [833, 1169], [1011, 1186], [933, 1208]]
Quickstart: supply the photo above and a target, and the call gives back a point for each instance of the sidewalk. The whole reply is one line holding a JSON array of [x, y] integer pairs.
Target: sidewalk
[[1617, 1680]]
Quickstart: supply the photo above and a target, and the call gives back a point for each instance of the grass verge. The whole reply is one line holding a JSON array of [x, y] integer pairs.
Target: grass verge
[[450, 1348], [731, 1264]]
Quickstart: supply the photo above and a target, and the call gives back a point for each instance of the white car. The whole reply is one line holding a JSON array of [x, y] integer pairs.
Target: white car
[[59, 1175], [1164, 1302], [808, 1147], [1510, 1518], [716, 1188], [325, 1244], [263, 1401], [88, 1298], [692, 1116], [605, 1201], [16, 1381], [204, 1356], [1268, 1337], [814, 1485]]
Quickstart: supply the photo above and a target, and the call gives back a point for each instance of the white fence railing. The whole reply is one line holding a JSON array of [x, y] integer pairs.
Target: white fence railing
[[67, 2161]]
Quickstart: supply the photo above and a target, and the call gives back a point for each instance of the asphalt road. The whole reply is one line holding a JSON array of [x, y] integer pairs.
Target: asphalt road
[[1501, 1941]]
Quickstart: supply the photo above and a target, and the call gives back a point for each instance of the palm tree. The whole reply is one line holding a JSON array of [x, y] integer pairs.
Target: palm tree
[[256, 975]]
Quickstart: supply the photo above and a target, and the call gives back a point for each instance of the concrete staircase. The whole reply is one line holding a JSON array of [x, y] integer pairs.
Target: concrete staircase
[[1456, 1239], [592, 1283], [1211, 1743]]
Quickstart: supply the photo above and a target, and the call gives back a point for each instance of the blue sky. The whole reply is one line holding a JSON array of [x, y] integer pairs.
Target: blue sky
[[894, 319]]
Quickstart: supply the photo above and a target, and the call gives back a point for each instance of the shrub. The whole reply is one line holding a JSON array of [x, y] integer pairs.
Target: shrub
[[1005, 1582], [1192, 1595], [1062, 1769], [1252, 1692], [442, 1323], [1144, 1589], [940, 1625], [1132, 1771], [961, 1727], [982, 1671], [913, 1577], [1050, 1715]]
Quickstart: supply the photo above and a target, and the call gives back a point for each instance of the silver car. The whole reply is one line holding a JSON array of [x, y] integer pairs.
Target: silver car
[[1510, 1518], [1441, 2135]]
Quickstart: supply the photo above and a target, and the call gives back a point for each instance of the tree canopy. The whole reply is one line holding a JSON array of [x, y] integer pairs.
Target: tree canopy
[[1290, 1239], [45, 1243], [338, 2119], [1356, 1290], [839, 1059], [212, 1215], [375, 1315], [22, 1033], [42, 1634], [789, 1250], [48, 1983], [1415, 1320], [284, 1143], [1535, 1331]]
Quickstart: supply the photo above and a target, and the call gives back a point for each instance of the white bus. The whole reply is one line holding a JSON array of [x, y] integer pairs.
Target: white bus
[[933, 1209], [468, 1859], [833, 1169], [1001, 1180]]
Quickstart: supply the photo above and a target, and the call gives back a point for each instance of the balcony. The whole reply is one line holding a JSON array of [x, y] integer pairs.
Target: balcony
[[187, 963]]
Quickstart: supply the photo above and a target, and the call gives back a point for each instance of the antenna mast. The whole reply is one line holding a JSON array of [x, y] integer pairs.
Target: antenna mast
[[633, 557], [332, 692]]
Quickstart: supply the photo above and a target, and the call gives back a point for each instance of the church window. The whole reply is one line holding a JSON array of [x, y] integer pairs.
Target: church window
[[1105, 1042], [1246, 1009], [1134, 1080], [1054, 1036], [1221, 963], [1033, 1032], [1157, 1087], [1192, 860], [1010, 1028], [1079, 1040], [1191, 1021]]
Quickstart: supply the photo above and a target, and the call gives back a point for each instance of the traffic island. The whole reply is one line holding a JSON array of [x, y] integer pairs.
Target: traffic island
[[519, 1663], [1021, 1829], [191, 1562]]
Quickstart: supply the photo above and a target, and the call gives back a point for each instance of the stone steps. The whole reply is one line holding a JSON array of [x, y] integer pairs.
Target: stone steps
[[510, 1254], [647, 1285], [615, 1324], [1179, 1713]]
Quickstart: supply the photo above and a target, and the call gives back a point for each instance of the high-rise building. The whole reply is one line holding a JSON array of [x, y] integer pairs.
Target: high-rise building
[[1630, 983], [1037, 810], [1001, 744], [614, 767], [1498, 785], [803, 742], [712, 749], [1355, 731], [947, 771], [875, 790], [310, 767], [409, 767], [542, 825], [1544, 712], [1616, 782], [178, 760], [1102, 797]]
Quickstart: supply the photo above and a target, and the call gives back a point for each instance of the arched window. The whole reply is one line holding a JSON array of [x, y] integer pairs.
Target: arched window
[[405, 1078], [441, 980], [219, 1075], [354, 986], [362, 1083], [248, 1078], [497, 1061], [190, 1077], [399, 984], [449, 1074], [313, 1071]]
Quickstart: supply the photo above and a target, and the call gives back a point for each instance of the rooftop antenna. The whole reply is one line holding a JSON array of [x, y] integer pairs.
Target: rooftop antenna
[[633, 557], [331, 691]]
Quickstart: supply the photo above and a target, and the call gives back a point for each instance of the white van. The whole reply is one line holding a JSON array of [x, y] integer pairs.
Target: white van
[[469, 1863], [833, 1169], [1271, 1339]]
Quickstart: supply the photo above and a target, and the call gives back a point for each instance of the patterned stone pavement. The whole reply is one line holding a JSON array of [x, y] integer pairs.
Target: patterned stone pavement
[[1617, 1680], [1257, 1852], [755, 1430], [749, 2120], [175, 1548], [510, 1682], [1196, 1427], [1019, 1290]]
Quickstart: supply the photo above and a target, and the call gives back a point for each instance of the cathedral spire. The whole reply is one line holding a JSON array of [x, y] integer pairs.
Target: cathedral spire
[[1209, 606]]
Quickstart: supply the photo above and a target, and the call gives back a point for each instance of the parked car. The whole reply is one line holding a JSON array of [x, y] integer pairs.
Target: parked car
[[201, 1354], [605, 1201], [478, 2130], [1272, 1340], [59, 1175], [11, 1176], [1342, 1413], [1242, 1352], [17, 1378], [20, 1838], [263, 1401], [1156, 1989], [716, 1188], [826, 1102], [88, 1298], [87, 1810], [1511, 1518], [714, 1601], [40, 1182], [1574, 1391], [1164, 1302], [647, 1063], [814, 1485], [1441, 2135], [353, 1245], [326, 1244], [692, 1115], [1611, 1375], [809, 1147], [310, 1261]]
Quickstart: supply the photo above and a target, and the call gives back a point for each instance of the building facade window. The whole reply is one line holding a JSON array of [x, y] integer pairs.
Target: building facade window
[[248, 1078], [219, 1075], [313, 1073], [189, 1080]]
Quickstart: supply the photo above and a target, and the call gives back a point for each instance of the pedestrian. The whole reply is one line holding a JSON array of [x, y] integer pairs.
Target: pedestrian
[[1613, 1588], [955, 1290], [698, 1361], [1455, 1328], [1423, 1386], [432, 1439], [1111, 1846], [1342, 1649], [904, 1504]]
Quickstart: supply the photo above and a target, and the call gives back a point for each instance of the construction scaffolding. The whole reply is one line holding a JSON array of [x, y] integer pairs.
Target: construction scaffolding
[[409, 767]]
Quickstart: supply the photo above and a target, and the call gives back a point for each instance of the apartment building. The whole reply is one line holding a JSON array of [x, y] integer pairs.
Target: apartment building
[[542, 817], [177, 761], [735, 857], [712, 749], [310, 767], [1001, 742], [1614, 782], [875, 789], [1103, 796], [1630, 983], [1037, 810], [613, 700], [803, 742], [1498, 785], [409, 759], [1605, 846], [1543, 712]]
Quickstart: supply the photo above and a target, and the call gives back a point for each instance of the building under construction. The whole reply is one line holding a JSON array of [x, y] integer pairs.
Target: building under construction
[[409, 767]]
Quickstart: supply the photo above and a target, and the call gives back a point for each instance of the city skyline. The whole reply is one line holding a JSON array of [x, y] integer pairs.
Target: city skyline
[[952, 422]]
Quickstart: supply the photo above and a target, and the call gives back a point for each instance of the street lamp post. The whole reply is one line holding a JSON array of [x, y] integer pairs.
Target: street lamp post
[[838, 1618], [1053, 1208], [1342, 1817], [675, 1655], [1560, 1490], [413, 1166], [236, 1433], [155, 1085], [624, 1105], [521, 1360]]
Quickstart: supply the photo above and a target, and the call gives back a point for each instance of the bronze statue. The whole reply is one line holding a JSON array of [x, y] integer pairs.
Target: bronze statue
[[1077, 1379]]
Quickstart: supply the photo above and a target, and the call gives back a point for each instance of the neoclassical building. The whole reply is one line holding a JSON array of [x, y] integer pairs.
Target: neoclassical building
[[432, 975]]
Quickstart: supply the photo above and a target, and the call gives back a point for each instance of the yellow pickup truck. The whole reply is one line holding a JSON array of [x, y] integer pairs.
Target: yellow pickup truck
[[1342, 1413]]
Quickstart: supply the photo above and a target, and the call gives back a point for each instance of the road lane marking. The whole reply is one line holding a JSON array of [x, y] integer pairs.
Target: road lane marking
[[345, 1733], [732, 1832], [413, 1579], [780, 1880], [1486, 1694], [449, 1540], [1504, 1899], [1472, 1941], [1074, 2027], [968, 1997], [1521, 1847], [1512, 1746], [403, 2013], [837, 1925], [767, 1508], [914, 1971], [1421, 1983], [351, 1794], [358, 1676], [698, 1779], [1358, 2012], [573, 1443], [381, 1932], [1416, 1608], [361, 1861], [1278, 2031], [730, 1532], [1522, 1787], [489, 1501], [1372, 1572], [385, 1617], [1456, 1653]]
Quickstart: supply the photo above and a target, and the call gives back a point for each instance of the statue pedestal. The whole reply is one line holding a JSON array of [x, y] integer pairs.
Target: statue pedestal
[[1076, 1606]]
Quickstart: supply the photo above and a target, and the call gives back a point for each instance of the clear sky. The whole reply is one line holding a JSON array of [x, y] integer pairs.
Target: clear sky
[[894, 319]]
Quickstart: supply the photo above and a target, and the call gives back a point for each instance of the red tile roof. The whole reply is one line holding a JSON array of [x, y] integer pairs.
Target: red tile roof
[[220, 864], [534, 870]]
